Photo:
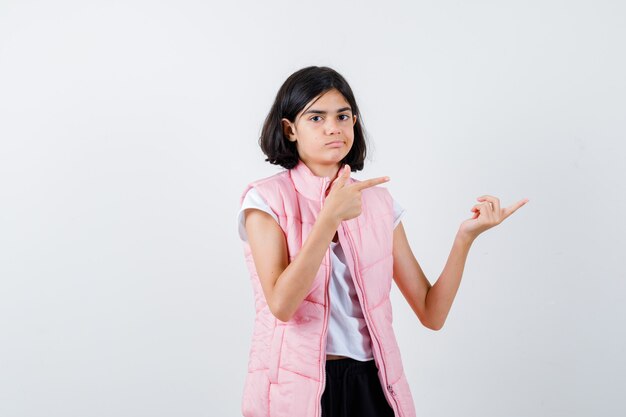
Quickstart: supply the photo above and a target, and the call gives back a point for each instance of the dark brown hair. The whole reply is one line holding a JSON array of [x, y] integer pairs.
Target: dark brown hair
[[299, 89]]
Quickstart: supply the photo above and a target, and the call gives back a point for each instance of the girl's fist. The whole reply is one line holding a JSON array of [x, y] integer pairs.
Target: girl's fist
[[343, 202]]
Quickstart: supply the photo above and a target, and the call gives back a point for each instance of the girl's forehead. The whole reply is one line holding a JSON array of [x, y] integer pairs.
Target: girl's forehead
[[327, 102]]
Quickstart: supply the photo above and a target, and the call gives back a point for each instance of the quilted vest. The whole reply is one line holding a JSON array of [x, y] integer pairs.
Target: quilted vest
[[287, 360]]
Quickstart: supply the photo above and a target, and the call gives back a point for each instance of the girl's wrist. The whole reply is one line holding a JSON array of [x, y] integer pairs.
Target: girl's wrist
[[330, 219], [465, 238]]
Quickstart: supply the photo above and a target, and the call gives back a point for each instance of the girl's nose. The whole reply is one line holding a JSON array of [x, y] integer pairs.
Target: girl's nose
[[332, 126]]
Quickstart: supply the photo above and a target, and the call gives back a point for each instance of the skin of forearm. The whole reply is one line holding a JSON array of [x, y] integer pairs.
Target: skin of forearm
[[294, 283], [440, 296]]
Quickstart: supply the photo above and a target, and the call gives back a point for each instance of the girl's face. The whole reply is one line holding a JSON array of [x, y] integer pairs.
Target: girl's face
[[323, 132]]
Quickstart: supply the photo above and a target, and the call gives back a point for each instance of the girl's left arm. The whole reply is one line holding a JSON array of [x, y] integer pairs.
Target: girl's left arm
[[432, 303]]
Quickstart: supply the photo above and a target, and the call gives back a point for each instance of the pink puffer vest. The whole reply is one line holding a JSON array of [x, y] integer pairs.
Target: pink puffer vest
[[286, 367]]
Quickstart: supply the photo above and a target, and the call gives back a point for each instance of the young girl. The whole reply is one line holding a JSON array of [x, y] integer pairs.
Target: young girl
[[322, 249]]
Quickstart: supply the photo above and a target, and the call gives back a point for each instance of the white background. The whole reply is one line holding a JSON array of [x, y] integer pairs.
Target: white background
[[129, 130]]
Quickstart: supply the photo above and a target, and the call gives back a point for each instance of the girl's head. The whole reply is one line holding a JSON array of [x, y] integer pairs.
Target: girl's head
[[314, 107]]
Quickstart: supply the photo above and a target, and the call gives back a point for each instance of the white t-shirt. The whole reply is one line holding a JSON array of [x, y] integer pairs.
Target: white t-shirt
[[347, 330]]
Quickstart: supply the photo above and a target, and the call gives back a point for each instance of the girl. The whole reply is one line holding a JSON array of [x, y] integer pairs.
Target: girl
[[322, 248]]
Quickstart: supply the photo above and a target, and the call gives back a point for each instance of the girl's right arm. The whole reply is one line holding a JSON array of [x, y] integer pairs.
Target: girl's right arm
[[286, 284]]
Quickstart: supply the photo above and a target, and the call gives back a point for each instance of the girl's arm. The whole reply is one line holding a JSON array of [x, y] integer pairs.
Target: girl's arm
[[431, 303], [286, 284]]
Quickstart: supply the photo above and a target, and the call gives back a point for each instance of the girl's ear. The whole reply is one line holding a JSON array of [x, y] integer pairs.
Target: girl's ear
[[288, 130], [354, 120]]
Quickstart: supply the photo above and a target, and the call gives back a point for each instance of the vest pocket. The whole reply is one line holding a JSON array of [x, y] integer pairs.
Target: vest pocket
[[275, 349]]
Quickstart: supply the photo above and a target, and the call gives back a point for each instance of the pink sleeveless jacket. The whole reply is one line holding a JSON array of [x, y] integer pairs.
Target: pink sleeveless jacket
[[286, 367]]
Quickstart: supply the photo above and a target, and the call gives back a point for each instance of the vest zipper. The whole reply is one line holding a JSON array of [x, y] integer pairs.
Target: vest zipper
[[357, 278], [323, 341], [318, 403]]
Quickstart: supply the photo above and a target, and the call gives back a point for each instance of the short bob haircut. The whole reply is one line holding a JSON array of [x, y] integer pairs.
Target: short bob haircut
[[299, 89]]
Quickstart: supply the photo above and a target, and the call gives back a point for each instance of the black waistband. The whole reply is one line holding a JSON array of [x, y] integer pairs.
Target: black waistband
[[341, 367]]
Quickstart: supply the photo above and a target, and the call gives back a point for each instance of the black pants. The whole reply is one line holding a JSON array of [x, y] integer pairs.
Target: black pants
[[353, 390]]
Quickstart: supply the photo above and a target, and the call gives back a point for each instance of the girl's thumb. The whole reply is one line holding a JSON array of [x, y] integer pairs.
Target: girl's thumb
[[342, 176]]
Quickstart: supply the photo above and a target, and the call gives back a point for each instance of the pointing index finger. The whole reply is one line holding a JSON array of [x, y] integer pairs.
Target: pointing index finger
[[513, 208], [370, 183]]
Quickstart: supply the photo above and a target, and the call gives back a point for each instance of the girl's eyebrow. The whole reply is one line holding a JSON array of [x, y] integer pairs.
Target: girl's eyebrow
[[324, 112]]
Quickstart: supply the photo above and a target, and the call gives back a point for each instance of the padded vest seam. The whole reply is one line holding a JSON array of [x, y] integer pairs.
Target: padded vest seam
[[386, 299], [299, 374], [365, 268]]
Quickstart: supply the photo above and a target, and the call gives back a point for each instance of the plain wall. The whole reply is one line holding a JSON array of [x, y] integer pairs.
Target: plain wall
[[128, 131]]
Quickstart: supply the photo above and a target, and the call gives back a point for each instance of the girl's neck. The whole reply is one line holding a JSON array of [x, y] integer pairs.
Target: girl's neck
[[320, 170]]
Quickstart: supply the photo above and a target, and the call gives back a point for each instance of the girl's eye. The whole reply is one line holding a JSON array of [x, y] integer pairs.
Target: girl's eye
[[341, 115]]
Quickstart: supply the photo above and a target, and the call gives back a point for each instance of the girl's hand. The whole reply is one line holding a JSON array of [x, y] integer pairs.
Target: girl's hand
[[343, 202], [486, 215]]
